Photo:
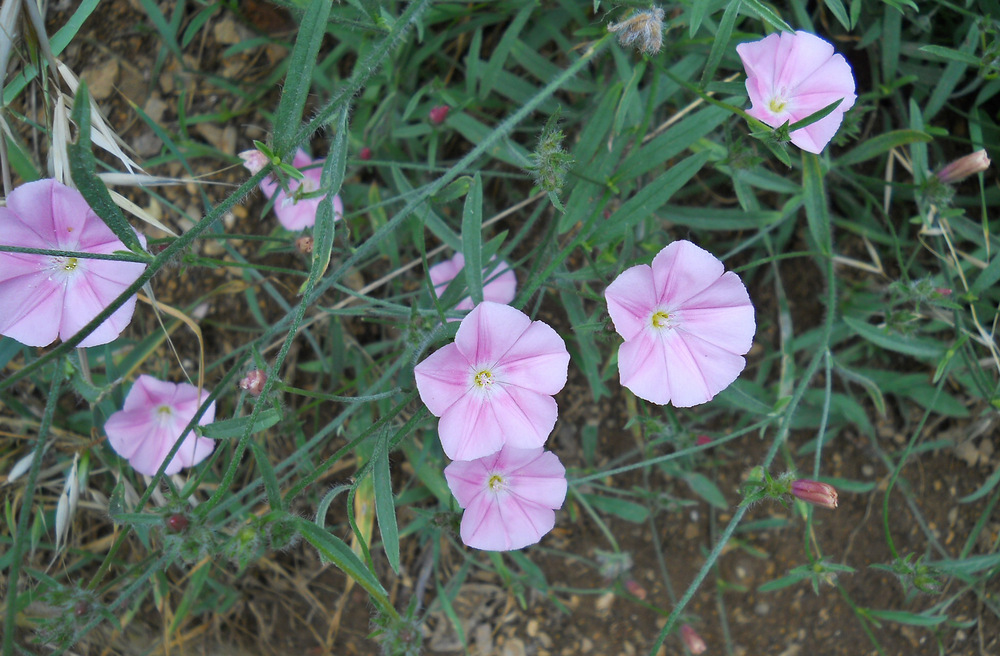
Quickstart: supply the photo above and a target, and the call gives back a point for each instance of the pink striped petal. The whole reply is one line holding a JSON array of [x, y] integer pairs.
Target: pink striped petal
[[443, 378], [488, 332], [469, 429], [537, 361], [631, 299], [683, 270]]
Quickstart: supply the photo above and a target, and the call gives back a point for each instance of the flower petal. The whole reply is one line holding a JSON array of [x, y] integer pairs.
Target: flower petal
[[469, 429], [721, 315], [537, 361], [683, 270], [642, 368], [631, 300], [466, 479], [32, 306], [442, 378], [487, 332], [698, 370], [525, 418]]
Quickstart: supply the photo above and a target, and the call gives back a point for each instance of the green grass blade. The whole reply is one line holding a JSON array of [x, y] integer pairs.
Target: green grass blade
[[385, 508], [472, 239]]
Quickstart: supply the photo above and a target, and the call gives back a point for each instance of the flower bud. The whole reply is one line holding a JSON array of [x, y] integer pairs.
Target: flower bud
[[439, 114], [644, 30], [177, 523], [253, 382], [963, 167], [702, 440], [692, 640], [814, 492], [365, 154], [253, 160], [304, 244], [635, 588]]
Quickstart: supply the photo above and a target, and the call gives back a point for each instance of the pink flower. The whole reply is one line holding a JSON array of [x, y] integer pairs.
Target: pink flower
[[686, 325], [253, 160], [963, 167], [790, 76], [814, 492], [494, 385], [499, 284], [45, 296], [154, 416], [509, 497], [295, 212]]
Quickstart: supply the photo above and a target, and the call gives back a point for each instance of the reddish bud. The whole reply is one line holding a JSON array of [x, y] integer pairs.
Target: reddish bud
[[692, 640], [253, 160], [963, 167], [943, 291], [254, 381], [81, 608], [177, 523], [365, 154], [702, 440], [635, 589], [304, 244], [439, 114], [816, 493]]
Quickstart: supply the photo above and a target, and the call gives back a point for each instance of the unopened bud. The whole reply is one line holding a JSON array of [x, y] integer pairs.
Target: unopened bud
[[702, 440], [943, 291], [439, 114], [81, 608], [635, 589], [816, 493], [963, 167], [643, 30], [304, 244], [253, 160], [253, 382], [177, 523], [692, 640], [365, 154]]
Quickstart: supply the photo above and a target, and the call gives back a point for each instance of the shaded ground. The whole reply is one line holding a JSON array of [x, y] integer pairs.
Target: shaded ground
[[291, 602]]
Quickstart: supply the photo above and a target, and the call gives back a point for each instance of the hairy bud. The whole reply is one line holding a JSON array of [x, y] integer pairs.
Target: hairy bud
[[643, 30]]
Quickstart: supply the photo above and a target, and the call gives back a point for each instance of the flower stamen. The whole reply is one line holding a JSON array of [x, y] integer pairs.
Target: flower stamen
[[70, 264], [661, 319], [484, 378]]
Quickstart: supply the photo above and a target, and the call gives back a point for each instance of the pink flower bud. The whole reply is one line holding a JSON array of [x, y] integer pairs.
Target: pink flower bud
[[943, 291], [177, 523], [635, 589], [253, 382], [253, 160], [702, 440], [692, 640], [963, 167], [816, 493], [439, 114], [365, 154]]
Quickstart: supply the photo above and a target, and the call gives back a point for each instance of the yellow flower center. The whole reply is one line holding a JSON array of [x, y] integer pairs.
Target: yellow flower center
[[164, 410], [660, 319], [777, 105], [484, 378], [70, 264], [496, 482]]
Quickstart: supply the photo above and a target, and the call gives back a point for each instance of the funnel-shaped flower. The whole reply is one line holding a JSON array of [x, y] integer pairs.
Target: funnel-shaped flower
[[790, 76], [294, 210], [686, 325], [494, 385], [510, 497], [499, 283], [154, 416], [45, 296]]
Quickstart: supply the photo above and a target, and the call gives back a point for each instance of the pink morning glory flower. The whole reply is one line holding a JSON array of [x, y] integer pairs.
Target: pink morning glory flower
[[509, 497], [790, 76], [494, 384], [499, 284], [153, 417], [46, 296], [686, 326], [294, 211]]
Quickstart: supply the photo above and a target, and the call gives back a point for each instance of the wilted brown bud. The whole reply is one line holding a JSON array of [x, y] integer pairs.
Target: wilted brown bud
[[963, 167], [644, 30], [253, 382], [304, 244], [816, 493]]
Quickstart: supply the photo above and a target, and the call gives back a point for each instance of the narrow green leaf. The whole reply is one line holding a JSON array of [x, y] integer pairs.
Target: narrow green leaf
[[502, 50], [766, 14], [83, 168], [697, 10], [814, 199], [721, 44], [903, 617], [267, 473], [192, 594], [385, 508], [784, 582], [472, 236], [985, 489], [336, 551], [650, 198], [837, 8], [288, 117], [879, 144], [952, 55], [231, 428], [627, 510], [706, 489], [908, 344]]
